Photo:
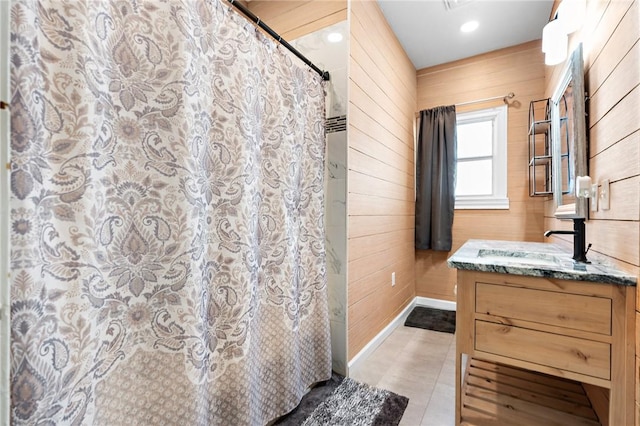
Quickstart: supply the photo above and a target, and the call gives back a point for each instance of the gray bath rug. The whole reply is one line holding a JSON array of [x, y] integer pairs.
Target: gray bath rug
[[358, 404], [344, 402], [310, 401], [432, 319]]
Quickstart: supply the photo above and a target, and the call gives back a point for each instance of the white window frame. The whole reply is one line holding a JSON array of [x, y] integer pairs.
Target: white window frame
[[498, 198]]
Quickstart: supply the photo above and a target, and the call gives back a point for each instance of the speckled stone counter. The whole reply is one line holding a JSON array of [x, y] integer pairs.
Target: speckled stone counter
[[534, 259]]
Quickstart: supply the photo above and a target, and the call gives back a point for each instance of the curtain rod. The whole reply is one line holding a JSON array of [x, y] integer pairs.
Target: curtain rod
[[256, 20], [505, 99]]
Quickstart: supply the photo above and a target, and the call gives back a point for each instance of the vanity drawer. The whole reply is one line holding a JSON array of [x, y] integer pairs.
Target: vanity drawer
[[573, 311], [552, 350]]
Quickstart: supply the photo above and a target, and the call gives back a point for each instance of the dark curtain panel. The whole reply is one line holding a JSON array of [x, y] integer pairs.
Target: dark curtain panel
[[436, 178]]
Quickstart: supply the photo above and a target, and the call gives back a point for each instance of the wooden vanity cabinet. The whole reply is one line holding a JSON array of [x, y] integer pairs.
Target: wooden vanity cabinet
[[573, 329]]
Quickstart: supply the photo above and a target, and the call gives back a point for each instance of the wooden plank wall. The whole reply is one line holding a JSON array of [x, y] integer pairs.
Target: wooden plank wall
[[380, 200], [612, 78], [518, 69], [295, 18], [382, 102], [610, 38]]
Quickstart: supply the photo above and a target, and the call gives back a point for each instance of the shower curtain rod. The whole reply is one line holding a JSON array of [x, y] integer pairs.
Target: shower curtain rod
[[256, 20]]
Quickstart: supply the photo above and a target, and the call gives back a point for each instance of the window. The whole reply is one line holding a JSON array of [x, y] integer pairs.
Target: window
[[481, 169]]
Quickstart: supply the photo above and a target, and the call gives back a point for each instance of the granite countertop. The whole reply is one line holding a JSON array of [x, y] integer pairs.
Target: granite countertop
[[536, 260]]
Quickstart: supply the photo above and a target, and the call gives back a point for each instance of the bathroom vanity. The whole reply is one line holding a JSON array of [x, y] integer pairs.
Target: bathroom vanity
[[529, 305]]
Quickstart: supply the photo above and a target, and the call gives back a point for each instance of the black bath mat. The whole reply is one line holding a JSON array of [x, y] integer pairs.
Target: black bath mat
[[432, 319]]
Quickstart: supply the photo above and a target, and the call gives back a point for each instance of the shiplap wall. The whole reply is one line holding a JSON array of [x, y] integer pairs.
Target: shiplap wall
[[519, 69], [380, 203], [610, 38], [382, 102], [612, 78], [296, 18]]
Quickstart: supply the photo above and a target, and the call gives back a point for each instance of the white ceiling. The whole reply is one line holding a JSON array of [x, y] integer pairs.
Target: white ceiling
[[430, 34]]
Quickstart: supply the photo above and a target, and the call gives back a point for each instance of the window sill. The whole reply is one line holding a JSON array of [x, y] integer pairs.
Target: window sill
[[482, 204]]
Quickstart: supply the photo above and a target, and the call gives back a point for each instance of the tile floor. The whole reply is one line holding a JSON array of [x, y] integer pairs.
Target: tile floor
[[419, 364]]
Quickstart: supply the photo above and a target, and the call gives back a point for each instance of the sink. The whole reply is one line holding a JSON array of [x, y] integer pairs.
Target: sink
[[519, 257]]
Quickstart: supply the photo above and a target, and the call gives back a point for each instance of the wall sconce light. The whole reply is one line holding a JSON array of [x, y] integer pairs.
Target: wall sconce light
[[554, 42]]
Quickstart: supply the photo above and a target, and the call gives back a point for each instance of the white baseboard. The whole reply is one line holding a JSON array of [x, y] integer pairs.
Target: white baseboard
[[376, 341], [399, 320], [435, 303]]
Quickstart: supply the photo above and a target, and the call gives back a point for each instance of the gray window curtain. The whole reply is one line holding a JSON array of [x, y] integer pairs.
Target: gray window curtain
[[436, 178]]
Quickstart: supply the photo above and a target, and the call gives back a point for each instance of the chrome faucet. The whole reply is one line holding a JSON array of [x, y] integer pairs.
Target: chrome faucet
[[579, 236]]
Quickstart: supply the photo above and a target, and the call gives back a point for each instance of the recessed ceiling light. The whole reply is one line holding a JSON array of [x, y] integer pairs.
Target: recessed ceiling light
[[334, 37], [467, 27]]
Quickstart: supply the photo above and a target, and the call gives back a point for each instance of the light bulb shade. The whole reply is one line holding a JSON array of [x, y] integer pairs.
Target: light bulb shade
[[571, 14], [552, 33], [557, 52]]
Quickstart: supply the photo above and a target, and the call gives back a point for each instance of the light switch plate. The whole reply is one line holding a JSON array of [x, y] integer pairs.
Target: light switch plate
[[605, 195], [594, 197]]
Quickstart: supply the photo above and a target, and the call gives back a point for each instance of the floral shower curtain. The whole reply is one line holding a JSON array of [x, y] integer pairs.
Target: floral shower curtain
[[168, 260]]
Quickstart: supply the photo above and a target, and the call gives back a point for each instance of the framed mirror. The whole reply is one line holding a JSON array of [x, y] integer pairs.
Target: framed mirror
[[569, 138]]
